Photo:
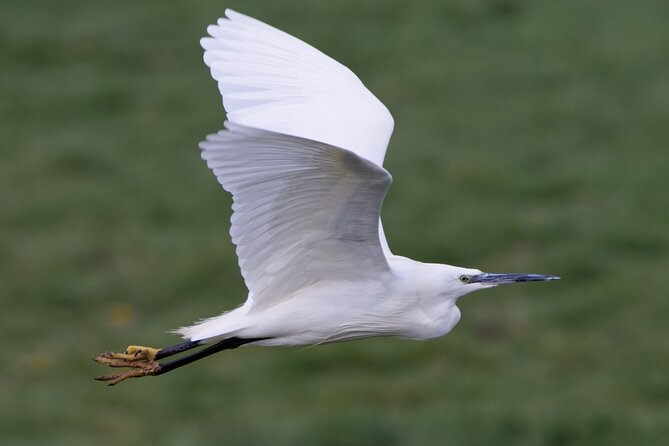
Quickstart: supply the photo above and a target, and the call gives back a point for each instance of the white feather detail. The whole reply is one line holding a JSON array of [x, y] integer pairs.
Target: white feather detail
[[274, 81], [304, 211], [271, 80]]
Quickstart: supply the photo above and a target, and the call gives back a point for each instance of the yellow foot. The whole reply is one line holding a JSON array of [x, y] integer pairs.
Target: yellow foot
[[132, 353], [139, 369], [139, 359], [139, 352]]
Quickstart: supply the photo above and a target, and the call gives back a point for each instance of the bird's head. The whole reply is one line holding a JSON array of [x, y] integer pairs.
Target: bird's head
[[466, 280]]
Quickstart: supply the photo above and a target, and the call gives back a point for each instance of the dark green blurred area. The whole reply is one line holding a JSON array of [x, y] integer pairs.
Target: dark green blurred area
[[530, 136]]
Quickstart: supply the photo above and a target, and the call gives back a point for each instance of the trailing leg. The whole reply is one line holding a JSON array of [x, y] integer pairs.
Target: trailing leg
[[143, 360]]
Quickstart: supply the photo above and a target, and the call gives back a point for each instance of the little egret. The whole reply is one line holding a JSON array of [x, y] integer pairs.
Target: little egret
[[302, 155]]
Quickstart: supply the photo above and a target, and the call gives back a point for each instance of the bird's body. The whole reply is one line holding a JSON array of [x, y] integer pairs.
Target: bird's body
[[412, 300], [302, 154]]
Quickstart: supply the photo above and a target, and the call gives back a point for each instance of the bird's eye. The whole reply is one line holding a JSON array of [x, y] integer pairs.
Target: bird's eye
[[464, 279]]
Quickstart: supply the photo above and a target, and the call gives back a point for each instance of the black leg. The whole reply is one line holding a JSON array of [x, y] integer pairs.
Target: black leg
[[225, 344], [174, 349]]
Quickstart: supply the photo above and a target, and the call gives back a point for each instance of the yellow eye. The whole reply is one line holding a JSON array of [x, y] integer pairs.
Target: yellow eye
[[464, 279]]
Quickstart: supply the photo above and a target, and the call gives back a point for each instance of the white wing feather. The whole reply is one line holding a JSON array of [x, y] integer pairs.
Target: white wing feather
[[274, 81], [304, 211]]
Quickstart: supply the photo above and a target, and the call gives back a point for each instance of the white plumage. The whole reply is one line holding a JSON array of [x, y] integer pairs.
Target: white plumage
[[272, 81], [302, 155], [303, 211]]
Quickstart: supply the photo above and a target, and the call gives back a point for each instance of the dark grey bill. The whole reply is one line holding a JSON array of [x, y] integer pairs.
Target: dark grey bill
[[509, 278]]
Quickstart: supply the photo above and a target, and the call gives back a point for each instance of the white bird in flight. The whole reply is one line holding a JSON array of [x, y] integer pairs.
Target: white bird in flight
[[302, 155]]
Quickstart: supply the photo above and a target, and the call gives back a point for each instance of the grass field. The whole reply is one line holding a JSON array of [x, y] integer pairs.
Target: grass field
[[530, 136]]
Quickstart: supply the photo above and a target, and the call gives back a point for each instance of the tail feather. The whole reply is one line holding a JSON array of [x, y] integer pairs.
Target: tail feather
[[215, 328]]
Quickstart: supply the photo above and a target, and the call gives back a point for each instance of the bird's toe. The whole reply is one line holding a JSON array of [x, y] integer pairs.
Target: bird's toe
[[134, 353], [138, 370]]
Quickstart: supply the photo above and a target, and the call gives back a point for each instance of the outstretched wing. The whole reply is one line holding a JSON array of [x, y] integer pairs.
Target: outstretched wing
[[304, 211], [274, 81]]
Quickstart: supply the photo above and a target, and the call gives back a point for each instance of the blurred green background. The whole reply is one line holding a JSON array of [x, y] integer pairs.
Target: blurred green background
[[530, 136]]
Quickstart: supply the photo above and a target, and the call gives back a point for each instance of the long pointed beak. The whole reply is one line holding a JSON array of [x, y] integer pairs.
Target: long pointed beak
[[497, 279]]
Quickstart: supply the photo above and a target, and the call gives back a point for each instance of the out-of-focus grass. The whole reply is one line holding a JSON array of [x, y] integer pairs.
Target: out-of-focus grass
[[530, 136]]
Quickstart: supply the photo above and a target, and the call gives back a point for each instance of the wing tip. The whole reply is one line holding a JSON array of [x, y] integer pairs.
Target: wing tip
[[229, 15], [234, 16]]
